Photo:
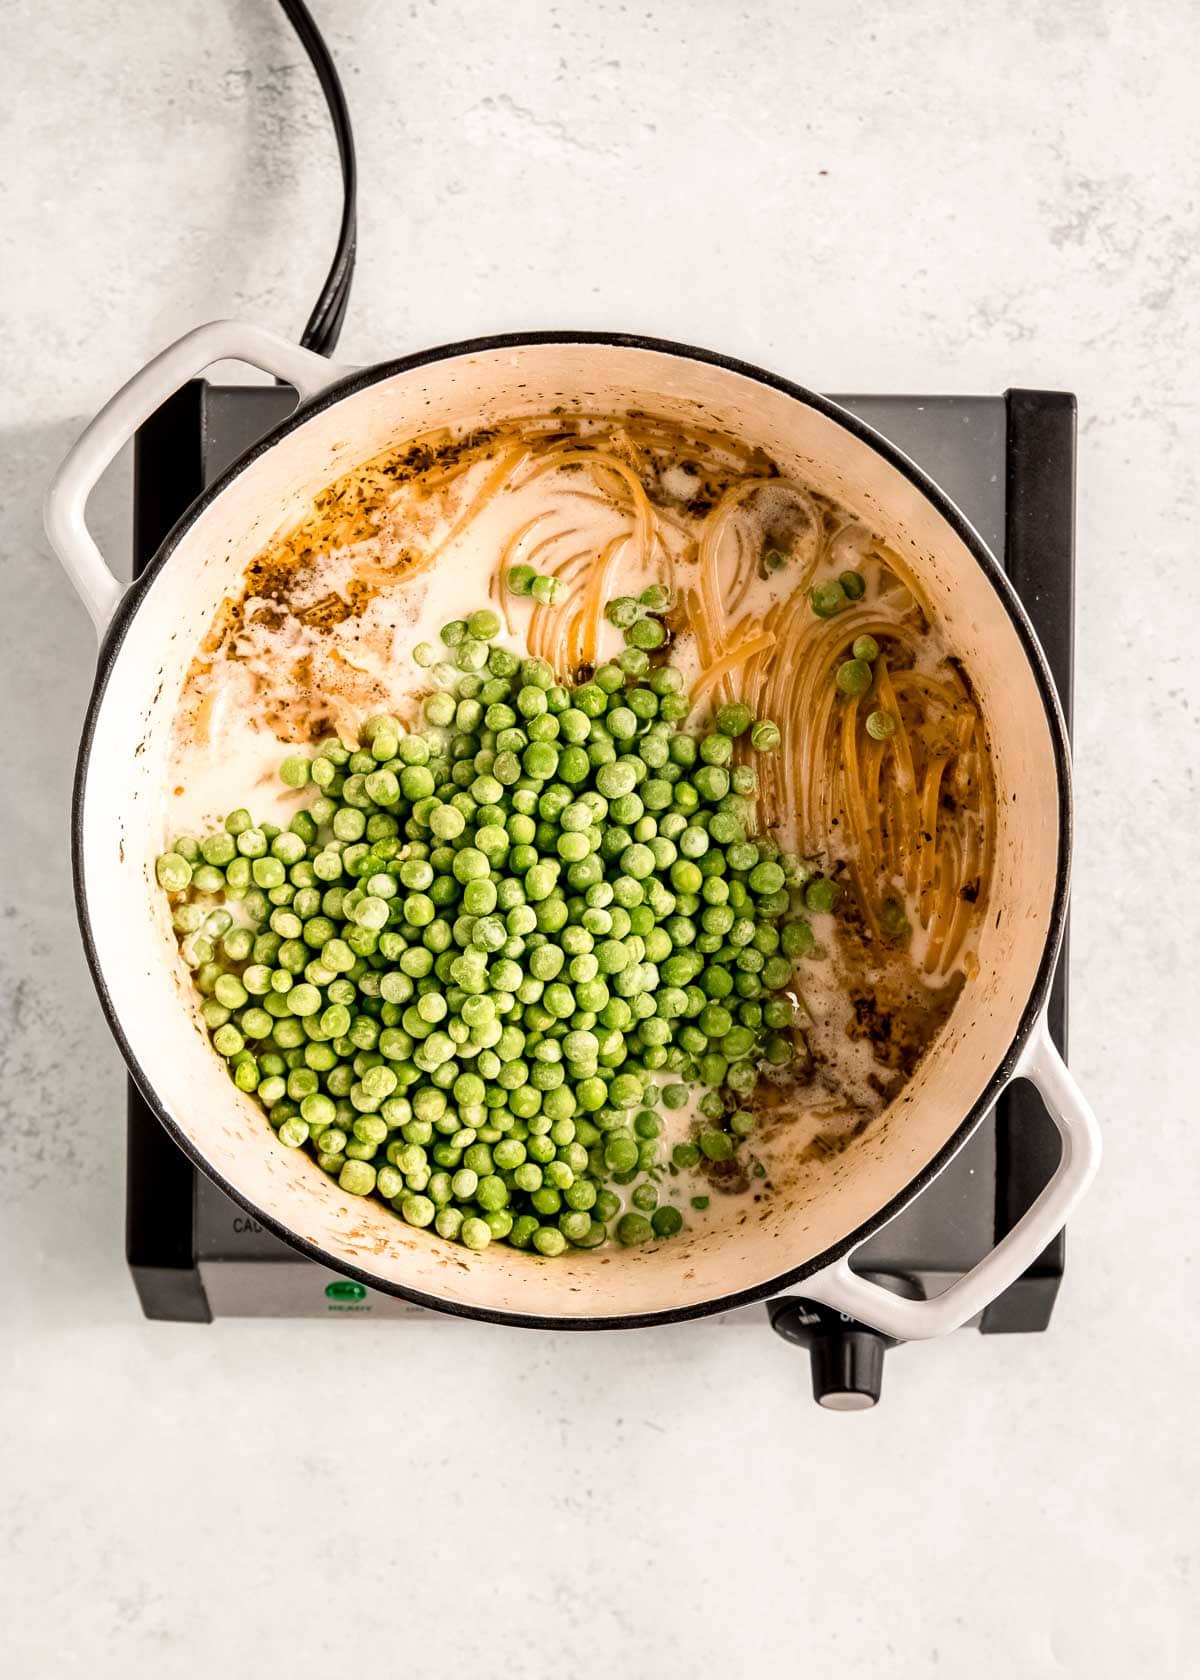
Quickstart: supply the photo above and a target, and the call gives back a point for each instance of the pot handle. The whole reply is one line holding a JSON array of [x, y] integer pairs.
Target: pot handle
[[66, 500], [839, 1287]]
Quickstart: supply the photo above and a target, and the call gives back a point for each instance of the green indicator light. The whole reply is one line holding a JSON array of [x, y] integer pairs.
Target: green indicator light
[[345, 1290]]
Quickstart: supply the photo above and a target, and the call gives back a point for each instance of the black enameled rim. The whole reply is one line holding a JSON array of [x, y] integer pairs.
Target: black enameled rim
[[349, 386]]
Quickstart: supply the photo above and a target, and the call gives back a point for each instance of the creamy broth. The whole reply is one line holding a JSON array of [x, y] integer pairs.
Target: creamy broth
[[324, 632]]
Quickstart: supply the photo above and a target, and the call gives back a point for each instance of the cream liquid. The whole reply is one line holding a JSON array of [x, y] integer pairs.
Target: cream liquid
[[232, 727]]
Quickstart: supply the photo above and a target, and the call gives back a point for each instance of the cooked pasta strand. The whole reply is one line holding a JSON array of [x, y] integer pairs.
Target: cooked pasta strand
[[730, 661], [494, 482]]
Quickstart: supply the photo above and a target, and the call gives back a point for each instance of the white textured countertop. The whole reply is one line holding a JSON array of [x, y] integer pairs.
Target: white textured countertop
[[909, 197]]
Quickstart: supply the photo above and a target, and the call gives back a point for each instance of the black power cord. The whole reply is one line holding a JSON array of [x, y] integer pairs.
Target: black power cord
[[325, 323]]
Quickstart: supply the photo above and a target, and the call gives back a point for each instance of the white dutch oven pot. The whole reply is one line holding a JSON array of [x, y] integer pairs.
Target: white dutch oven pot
[[808, 1231]]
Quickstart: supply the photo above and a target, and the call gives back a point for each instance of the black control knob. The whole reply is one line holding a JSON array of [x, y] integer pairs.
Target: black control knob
[[847, 1368], [846, 1357]]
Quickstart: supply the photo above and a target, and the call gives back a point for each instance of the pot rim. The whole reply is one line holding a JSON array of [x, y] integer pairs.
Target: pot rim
[[360, 379]]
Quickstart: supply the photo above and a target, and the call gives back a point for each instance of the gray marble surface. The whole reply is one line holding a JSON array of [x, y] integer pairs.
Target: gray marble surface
[[917, 196]]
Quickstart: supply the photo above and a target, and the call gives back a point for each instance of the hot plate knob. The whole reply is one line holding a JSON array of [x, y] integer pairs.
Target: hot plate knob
[[847, 1369], [846, 1357]]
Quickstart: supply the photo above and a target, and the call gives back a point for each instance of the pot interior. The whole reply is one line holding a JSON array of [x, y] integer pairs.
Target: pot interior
[[816, 1203]]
